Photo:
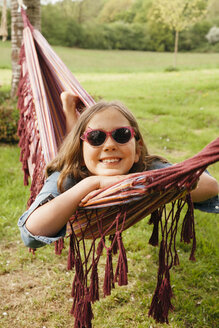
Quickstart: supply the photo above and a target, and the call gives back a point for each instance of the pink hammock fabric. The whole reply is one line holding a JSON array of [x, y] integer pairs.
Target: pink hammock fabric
[[110, 211], [42, 121]]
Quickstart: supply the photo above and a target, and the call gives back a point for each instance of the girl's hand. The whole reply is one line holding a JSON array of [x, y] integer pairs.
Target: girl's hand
[[69, 103], [206, 187], [101, 182]]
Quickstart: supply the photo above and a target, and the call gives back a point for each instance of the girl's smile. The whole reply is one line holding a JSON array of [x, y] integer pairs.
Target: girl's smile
[[110, 158]]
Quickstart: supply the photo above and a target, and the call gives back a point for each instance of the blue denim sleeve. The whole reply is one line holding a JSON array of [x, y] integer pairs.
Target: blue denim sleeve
[[157, 164], [48, 192], [210, 205]]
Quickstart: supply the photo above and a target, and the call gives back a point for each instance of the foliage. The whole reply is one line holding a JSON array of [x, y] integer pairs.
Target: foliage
[[178, 15], [195, 37], [92, 24], [114, 10], [66, 31], [213, 35], [8, 118]]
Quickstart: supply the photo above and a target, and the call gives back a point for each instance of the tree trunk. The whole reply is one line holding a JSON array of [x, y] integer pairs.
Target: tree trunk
[[3, 28], [33, 12], [176, 48]]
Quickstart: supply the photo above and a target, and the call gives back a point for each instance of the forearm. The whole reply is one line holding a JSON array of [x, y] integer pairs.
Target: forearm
[[207, 187], [49, 219]]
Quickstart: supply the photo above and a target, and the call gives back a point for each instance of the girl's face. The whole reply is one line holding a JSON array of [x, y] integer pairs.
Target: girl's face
[[110, 158]]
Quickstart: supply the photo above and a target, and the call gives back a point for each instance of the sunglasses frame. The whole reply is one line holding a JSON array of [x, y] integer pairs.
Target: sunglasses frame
[[108, 134]]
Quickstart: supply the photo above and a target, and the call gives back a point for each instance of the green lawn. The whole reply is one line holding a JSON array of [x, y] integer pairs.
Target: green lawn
[[117, 61], [178, 115]]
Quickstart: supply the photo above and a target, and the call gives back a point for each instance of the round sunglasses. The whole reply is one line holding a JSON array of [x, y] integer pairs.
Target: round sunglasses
[[98, 137]]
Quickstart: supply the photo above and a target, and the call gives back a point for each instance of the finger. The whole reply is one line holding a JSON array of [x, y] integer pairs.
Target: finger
[[88, 197]]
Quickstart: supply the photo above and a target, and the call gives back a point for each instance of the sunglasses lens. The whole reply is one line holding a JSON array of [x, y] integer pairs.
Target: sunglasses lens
[[122, 135], [96, 137]]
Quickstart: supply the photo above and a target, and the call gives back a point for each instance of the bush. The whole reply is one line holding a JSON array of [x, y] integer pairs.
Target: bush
[[195, 37], [59, 29], [213, 35], [9, 116], [125, 36]]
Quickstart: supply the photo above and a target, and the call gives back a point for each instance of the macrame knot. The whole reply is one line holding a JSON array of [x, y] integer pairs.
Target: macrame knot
[[108, 279], [114, 244], [155, 219]]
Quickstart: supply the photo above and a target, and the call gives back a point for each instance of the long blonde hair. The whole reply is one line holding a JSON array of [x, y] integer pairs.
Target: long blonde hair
[[69, 160]]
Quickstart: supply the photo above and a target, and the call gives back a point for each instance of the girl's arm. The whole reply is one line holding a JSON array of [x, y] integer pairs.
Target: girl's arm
[[50, 218], [207, 187], [69, 103]]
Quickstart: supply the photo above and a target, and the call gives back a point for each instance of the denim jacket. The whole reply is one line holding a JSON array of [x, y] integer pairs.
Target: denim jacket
[[50, 191]]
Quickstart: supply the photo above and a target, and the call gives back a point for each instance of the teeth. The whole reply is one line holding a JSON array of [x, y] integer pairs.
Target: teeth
[[113, 160]]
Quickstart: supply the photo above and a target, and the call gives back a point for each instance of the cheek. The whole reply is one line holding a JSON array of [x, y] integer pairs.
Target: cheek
[[84, 152], [89, 153]]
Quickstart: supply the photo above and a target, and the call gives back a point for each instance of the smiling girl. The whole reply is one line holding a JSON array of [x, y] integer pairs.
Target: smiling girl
[[104, 146]]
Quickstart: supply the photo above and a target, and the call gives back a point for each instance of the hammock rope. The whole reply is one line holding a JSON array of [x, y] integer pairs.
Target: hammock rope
[[112, 210]]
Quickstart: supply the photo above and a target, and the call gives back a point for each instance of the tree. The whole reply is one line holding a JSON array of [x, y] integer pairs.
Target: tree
[[82, 11], [113, 9], [178, 15], [33, 12], [3, 27]]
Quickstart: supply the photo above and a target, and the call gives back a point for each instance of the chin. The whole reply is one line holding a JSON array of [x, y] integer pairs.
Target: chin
[[111, 172]]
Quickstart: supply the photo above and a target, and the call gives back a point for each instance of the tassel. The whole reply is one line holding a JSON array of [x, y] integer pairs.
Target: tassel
[[84, 314], [122, 265], [87, 312], [187, 226], [94, 285], [155, 219], [165, 295], [77, 285], [59, 245], [32, 250], [108, 279], [161, 302]]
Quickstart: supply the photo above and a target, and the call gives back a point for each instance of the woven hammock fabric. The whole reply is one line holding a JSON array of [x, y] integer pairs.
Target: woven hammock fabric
[[42, 121], [112, 210]]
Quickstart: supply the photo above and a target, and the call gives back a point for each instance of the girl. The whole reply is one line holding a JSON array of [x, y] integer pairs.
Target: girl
[[104, 146]]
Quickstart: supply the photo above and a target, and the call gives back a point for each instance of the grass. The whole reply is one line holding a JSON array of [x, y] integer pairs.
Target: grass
[[117, 61], [178, 115]]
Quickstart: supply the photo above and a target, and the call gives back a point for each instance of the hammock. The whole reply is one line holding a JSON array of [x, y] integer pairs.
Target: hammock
[[112, 210]]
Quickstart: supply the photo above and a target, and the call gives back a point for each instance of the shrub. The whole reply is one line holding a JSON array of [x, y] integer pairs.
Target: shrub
[[213, 35], [60, 29], [9, 116]]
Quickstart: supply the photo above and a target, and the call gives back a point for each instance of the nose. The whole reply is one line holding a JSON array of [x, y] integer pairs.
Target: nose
[[109, 144]]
